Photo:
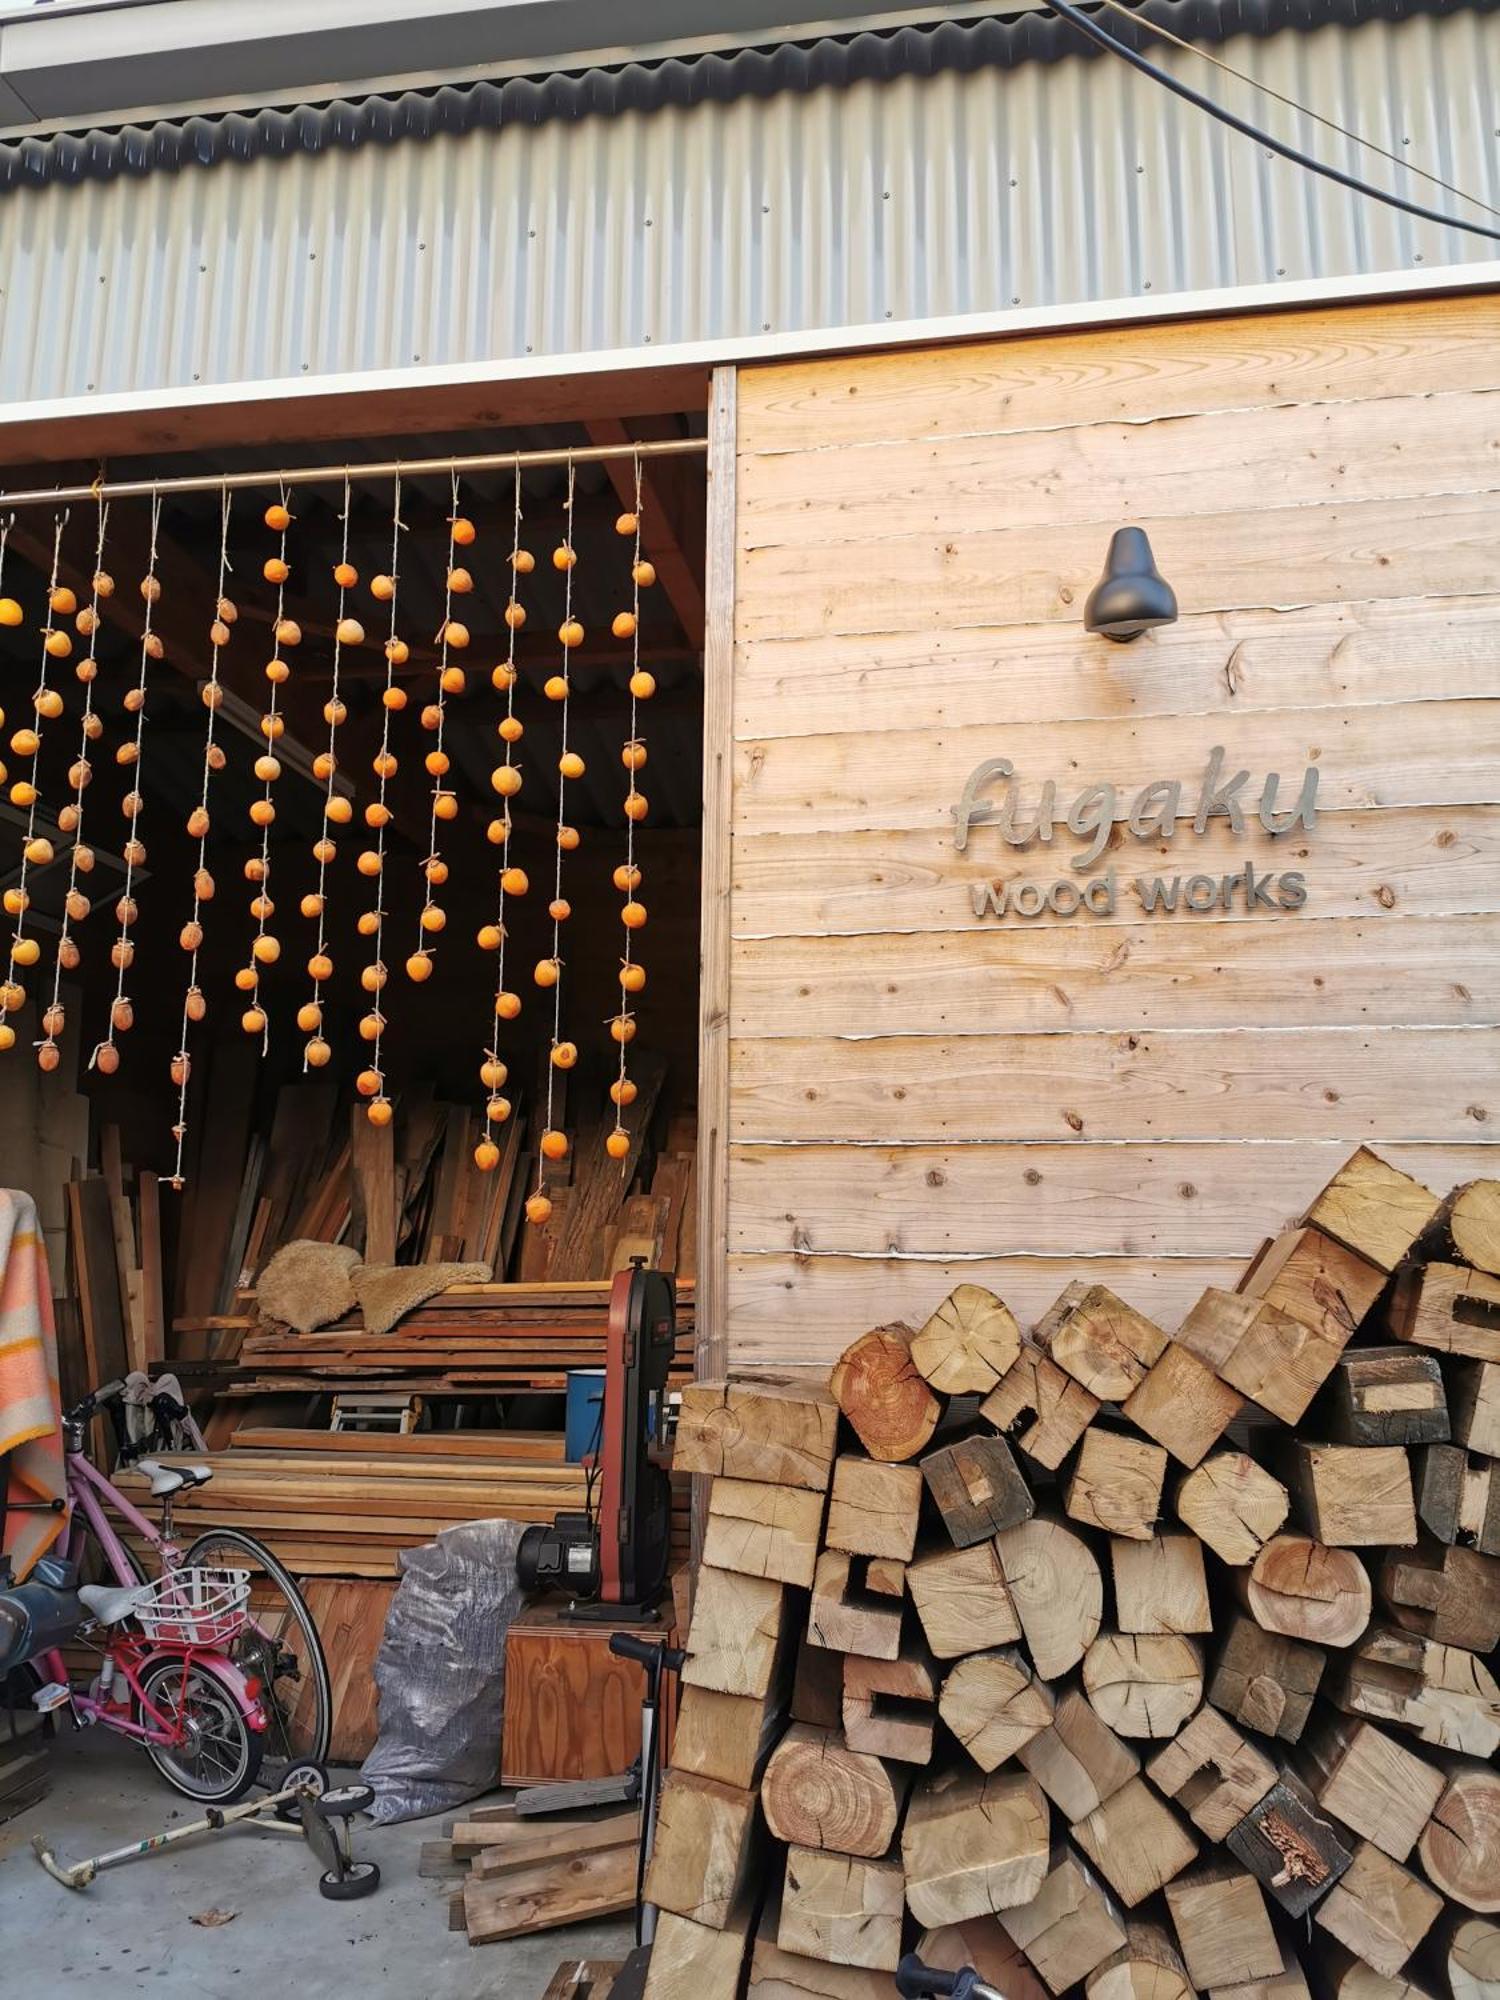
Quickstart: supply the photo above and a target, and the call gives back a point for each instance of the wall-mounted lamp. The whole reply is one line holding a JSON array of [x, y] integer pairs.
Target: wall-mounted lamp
[[1132, 595]]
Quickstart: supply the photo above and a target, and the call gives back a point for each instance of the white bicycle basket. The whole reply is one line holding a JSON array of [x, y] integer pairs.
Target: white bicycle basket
[[196, 1607]]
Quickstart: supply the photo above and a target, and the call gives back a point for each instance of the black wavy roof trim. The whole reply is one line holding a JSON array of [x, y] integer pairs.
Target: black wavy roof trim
[[170, 144]]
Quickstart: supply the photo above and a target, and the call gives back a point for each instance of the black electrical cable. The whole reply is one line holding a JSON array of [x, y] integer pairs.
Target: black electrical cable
[[1102, 39]]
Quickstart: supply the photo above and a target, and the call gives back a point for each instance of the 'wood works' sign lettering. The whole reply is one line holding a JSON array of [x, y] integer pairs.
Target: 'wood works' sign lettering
[[1157, 812]]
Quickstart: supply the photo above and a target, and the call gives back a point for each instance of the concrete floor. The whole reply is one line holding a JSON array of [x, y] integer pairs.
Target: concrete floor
[[132, 1931]]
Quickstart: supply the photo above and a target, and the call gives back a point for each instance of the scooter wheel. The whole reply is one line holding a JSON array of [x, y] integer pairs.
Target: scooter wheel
[[363, 1879], [311, 1776], [343, 1801]]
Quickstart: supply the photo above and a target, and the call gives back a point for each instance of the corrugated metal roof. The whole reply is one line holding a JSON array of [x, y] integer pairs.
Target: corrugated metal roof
[[832, 62], [962, 191]]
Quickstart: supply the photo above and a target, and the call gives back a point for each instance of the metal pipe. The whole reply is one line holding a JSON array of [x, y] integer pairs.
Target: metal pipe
[[322, 475]]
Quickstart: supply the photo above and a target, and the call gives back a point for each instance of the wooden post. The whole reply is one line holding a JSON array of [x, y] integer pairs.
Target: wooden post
[[1446, 1696], [1474, 1405], [695, 1959], [963, 1600], [1232, 1505], [1099, 1340], [1460, 1845], [1448, 1594], [994, 1704], [1304, 1590], [1370, 1781], [712, 1295], [1261, 1350], [1078, 1760], [1146, 1967], [842, 1910], [873, 1508], [1459, 1495], [1266, 1682], [817, 1792], [968, 1344], [1470, 1221], [1116, 1484], [1388, 1395], [1070, 1926], [1379, 1909], [890, 1706], [1143, 1686], [1448, 1309], [876, 1384], [1289, 1847], [1353, 1496], [1057, 1591], [1213, 1773], [736, 1633], [705, 1848], [1137, 1843], [773, 1429], [977, 1488], [1373, 1209], [765, 1531], [1042, 1410], [1160, 1585], [973, 1845], [784, 1975], [1182, 1404], [1223, 1929], [856, 1605], [726, 1736]]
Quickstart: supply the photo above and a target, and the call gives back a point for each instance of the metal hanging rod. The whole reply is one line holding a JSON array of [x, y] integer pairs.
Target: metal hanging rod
[[322, 475]]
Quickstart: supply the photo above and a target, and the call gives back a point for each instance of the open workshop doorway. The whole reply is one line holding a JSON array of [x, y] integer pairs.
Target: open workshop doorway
[[271, 1146]]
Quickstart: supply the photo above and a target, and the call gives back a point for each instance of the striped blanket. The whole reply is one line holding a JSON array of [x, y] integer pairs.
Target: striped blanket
[[31, 1451]]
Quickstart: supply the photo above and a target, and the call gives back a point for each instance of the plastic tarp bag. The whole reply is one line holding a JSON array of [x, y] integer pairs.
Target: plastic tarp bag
[[441, 1672]]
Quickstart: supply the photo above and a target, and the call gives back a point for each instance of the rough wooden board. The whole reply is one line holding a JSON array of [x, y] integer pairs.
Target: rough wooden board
[[1137, 1843], [841, 1909], [706, 1846], [546, 1896], [1040, 1408], [1078, 1760], [1232, 1505], [1370, 1780], [1379, 1909], [962, 1600], [1277, 1360], [756, 1529], [1354, 1496], [873, 1508], [1213, 1773], [1223, 1929], [973, 1845], [1160, 1585], [735, 1635], [1447, 1308], [1182, 1404], [1116, 1484], [1446, 1696]]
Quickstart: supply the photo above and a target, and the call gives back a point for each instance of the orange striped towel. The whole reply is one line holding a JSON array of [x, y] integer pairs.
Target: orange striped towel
[[30, 1412]]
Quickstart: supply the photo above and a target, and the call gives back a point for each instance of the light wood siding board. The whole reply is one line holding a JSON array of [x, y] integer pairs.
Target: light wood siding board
[[1308, 1083], [1292, 456], [1094, 1200], [1415, 861], [1412, 753], [920, 1096], [1208, 664], [1274, 972], [1123, 374]]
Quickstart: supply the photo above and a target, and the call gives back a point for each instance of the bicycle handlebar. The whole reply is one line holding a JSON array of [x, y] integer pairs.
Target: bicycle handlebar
[[95, 1400]]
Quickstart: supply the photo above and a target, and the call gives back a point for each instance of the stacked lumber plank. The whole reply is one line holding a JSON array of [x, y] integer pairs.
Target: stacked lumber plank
[[347, 1506], [517, 1875], [1109, 1660], [478, 1339]]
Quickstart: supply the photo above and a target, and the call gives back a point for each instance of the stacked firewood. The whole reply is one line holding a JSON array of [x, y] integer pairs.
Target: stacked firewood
[[1108, 1660]]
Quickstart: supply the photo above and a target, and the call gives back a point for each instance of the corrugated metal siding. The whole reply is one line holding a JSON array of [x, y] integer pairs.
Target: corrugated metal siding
[[922, 198]]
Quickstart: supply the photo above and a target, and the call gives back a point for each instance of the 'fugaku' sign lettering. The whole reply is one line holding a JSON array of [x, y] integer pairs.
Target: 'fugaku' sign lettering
[[1156, 812]]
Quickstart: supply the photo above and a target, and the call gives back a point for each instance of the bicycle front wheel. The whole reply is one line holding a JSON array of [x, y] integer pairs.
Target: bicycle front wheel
[[279, 1647]]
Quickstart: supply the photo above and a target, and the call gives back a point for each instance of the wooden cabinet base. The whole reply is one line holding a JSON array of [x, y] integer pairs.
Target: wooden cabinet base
[[572, 1710]]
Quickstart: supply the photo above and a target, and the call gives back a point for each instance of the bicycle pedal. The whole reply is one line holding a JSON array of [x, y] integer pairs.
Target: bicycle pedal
[[54, 1695]]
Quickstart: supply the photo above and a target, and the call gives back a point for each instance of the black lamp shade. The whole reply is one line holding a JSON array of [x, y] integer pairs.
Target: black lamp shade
[[1132, 595]]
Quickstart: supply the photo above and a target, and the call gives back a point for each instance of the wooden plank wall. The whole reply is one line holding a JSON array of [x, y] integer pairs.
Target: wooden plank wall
[[918, 1096]]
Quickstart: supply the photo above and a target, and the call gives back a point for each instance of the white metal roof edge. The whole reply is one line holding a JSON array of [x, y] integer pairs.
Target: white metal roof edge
[[808, 343]]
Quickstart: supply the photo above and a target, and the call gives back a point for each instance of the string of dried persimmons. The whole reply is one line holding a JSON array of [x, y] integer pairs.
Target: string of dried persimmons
[[548, 974], [453, 636], [194, 1005], [70, 816], [627, 877], [506, 779], [265, 946], [384, 588], [36, 849], [338, 809]]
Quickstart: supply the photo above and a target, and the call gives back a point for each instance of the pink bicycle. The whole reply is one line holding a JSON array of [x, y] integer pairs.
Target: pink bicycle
[[215, 1666]]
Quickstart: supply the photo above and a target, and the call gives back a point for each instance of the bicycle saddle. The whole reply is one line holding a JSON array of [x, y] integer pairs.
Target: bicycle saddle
[[167, 1479], [108, 1603]]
